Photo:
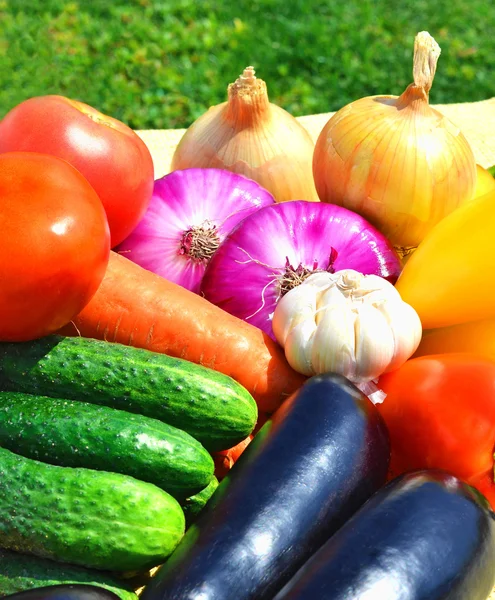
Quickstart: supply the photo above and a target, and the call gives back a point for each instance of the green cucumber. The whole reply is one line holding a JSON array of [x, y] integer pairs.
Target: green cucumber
[[85, 517], [194, 505], [77, 434], [20, 572], [210, 406]]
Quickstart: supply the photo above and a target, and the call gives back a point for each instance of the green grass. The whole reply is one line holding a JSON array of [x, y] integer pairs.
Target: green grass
[[162, 63]]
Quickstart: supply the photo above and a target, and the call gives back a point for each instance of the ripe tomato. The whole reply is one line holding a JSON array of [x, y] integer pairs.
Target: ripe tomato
[[55, 244], [111, 156]]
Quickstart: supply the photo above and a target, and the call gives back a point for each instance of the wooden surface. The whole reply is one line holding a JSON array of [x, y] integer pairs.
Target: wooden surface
[[476, 120]]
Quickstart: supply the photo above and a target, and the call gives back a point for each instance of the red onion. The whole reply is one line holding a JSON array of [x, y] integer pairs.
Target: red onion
[[276, 248], [190, 213]]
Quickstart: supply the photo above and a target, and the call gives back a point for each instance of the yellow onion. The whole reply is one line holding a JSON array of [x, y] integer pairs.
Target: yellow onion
[[249, 135], [396, 160]]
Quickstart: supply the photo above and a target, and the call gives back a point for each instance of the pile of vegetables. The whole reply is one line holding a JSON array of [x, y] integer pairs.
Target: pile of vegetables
[[268, 374]]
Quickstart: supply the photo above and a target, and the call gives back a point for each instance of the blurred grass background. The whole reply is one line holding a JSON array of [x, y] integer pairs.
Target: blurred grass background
[[162, 63]]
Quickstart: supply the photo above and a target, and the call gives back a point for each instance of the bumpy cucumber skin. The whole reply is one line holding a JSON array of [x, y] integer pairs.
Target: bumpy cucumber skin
[[194, 505], [210, 406], [20, 572], [77, 434], [90, 518]]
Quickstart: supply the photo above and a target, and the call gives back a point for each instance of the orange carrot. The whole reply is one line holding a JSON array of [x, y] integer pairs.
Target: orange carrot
[[225, 459], [138, 308]]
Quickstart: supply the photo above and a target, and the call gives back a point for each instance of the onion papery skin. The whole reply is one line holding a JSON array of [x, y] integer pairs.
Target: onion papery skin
[[396, 161], [244, 276], [183, 200]]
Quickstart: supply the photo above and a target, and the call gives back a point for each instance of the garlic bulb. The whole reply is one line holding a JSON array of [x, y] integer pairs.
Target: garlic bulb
[[395, 160], [348, 323], [253, 137]]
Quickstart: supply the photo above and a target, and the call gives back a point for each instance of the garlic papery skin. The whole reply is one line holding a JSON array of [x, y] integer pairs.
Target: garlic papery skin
[[396, 161], [253, 137], [347, 323]]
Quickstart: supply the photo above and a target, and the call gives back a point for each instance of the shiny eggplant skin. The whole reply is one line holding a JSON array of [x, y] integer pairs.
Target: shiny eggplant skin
[[424, 536], [65, 592], [320, 457]]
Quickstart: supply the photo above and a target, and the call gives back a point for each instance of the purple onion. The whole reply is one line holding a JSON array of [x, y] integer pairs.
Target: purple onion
[[276, 248], [190, 213]]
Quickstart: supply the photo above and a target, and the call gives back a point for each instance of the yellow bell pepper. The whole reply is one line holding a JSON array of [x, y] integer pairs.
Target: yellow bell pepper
[[477, 337], [450, 278], [485, 183]]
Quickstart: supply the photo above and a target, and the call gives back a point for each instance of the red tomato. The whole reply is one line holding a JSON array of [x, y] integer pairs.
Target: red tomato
[[55, 244], [440, 413], [111, 156]]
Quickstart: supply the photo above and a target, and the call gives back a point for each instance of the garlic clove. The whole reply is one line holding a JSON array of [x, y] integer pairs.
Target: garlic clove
[[296, 306], [330, 296], [374, 343], [298, 345], [320, 280], [405, 325], [370, 288], [333, 342], [374, 283]]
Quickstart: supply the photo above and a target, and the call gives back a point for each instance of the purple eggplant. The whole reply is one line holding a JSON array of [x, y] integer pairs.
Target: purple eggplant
[[425, 536], [76, 591], [321, 456]]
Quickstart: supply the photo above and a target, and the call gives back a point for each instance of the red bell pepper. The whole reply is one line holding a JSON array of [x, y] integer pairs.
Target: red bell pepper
[[440, 413]]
